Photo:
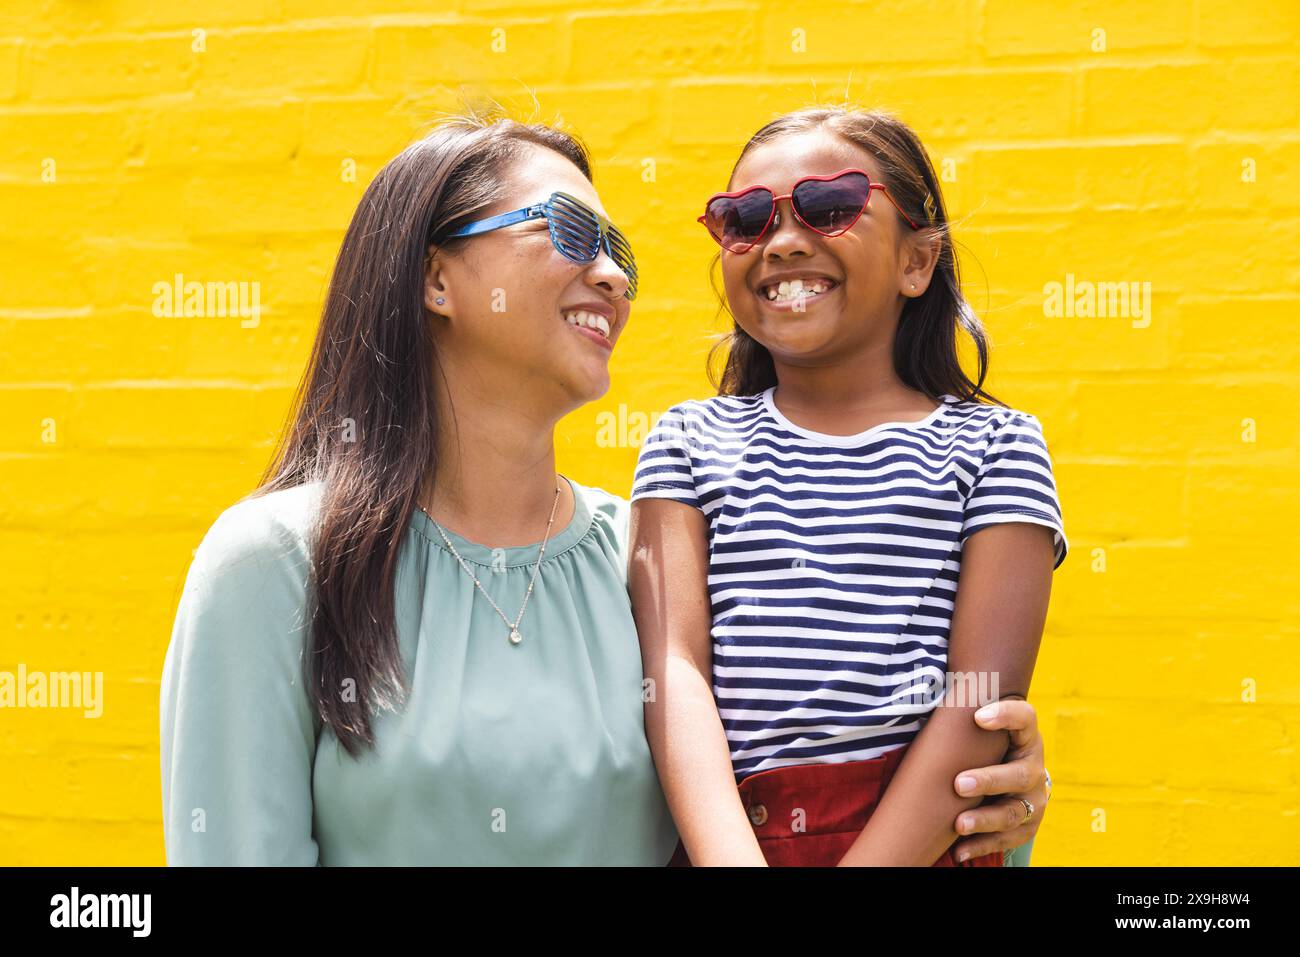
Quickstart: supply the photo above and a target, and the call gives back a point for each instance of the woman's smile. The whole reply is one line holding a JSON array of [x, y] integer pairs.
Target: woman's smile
[[591, 321]]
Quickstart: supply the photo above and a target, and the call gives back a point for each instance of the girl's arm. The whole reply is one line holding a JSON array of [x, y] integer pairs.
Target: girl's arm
[[997, 624], [668, 582]]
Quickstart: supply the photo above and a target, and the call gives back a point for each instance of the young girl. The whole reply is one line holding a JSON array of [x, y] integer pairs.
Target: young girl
[[798, 540]]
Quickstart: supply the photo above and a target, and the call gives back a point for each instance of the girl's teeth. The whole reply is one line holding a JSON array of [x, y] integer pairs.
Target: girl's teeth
[[796, 289], [589, 320]]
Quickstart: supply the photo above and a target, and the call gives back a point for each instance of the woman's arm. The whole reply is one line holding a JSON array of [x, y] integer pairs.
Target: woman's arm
[[997, 624], [1001, 825], [238, 738], [668, 581]]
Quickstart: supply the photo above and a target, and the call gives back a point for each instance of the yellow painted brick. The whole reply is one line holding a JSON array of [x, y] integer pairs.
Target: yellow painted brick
[[1037, 179], [87, 630], [1202, 423], [241, 62], [50, 210], [11, 53], [100, 69], [1183, 581], [148, 416], [1025, 340], [1174, 98], [1138, 829], [616, 120], [1147, 500], [21, 575], [65, 281], [1237, 502], [1158, 248], [1236, 332], [77, 140], [1259, 176], [130, 16], [1236, 23], [977, 105], [1248, 741], [38, 418], [1194, 663], [354, 128], [237, 133], [305, 196], [131, 492], [696, 120], [65, 842], [672, 43], [1268, 833], [153, 573], [1017, 29], [835, 32], [94, 784], [449, 52]]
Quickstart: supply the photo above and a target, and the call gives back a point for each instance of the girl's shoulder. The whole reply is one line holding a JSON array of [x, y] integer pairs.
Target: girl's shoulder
[[718, 413], [988, 418]]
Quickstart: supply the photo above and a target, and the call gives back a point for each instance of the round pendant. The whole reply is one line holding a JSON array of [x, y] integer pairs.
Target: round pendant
[[515, 637]]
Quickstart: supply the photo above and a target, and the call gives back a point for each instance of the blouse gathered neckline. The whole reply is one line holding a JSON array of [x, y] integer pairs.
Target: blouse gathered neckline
[[513, 555]]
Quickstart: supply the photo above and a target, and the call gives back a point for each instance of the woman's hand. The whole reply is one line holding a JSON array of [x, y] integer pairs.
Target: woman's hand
[[1001, 825]]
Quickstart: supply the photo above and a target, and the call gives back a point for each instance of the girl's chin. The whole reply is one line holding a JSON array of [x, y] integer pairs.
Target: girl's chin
[[794, 340]]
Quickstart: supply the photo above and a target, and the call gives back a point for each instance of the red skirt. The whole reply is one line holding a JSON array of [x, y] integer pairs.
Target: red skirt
[[836, 801]]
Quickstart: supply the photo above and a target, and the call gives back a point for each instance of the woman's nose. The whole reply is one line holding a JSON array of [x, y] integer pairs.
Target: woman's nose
[[606, 273]]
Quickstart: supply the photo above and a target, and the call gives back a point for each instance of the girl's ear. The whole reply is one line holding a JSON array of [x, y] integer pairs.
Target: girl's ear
[[916, 267], [437, 297]]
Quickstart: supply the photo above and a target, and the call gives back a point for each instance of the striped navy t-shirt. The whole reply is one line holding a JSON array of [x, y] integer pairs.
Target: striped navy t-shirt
[[833, 560]]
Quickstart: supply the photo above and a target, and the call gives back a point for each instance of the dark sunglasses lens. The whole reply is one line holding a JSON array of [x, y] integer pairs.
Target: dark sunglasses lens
[[737, 221], [831, 206]]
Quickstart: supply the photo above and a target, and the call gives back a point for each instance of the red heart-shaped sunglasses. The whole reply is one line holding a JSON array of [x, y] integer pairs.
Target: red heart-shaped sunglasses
[[828, 205]]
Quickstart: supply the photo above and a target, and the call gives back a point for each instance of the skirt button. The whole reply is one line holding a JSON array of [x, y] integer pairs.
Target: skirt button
[[758, 814]]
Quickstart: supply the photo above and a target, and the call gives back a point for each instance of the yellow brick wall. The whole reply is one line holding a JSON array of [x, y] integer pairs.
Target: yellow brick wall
[[1106, 141]]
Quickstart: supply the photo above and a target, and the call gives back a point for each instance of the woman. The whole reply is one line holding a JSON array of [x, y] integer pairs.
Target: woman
[[413, 643]]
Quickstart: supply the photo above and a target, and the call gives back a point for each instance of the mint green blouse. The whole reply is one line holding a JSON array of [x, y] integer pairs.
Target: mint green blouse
[[522, 754]]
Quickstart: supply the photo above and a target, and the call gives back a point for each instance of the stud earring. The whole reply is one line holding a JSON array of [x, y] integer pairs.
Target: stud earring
[[440, 300]]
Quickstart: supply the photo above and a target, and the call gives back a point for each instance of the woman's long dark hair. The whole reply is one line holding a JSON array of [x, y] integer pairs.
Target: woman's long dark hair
[[363, 420], [925, 346]]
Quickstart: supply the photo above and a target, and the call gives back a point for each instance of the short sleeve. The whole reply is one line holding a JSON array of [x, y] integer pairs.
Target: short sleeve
[[238, 737], [1015, 483], [663, 468], [614, 513]]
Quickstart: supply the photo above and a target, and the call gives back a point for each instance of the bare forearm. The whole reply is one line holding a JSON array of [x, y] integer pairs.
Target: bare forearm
[[913, 824], [694, 764]]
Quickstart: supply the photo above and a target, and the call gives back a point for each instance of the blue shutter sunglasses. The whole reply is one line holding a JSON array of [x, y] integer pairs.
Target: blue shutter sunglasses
[[578, 232]]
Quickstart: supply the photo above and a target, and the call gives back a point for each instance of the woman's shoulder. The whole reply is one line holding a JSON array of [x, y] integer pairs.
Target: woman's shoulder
[[608, 533], [258, 537], [609, 512]]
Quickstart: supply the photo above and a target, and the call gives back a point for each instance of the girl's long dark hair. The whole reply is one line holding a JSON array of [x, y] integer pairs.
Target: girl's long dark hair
[[363, 420], [925, 346]]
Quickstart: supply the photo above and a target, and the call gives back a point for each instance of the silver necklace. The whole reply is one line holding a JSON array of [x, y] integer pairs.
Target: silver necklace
[[515, 636]]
